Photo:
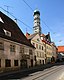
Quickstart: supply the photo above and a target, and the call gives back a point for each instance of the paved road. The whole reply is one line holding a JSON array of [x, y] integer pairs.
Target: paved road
[[23, 72], [34, 73], [53, 73]]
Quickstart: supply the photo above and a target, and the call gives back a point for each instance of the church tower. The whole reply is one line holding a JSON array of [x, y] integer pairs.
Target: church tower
[[37, 27]]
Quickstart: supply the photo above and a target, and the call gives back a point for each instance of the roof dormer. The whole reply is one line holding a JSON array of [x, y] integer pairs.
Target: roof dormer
[[1, 20], [7, 33]]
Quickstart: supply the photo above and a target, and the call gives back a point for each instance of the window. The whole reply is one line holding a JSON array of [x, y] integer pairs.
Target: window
[[35, 58], [12, 48], [21, 49], [35, 28], [7, 63], [40, 61], [15, 62], [43, 61], [37, 54], [38, 40], [34, 44], [40, 54], [42, 47], [30, 51], [0, 62], [37, 46], [35, 22], [1, 46]]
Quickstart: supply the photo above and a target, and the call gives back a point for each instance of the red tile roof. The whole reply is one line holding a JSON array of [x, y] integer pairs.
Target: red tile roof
[[43, 41], [27, 35], [60, 48], [43, 35]]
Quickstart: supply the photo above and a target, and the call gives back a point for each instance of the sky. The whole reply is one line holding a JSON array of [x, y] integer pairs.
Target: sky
[[51, 15]]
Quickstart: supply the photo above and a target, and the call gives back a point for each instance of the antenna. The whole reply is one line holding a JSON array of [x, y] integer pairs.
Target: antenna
[[7, 8]]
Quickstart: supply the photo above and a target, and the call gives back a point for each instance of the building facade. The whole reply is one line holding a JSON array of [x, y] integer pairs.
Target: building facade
[[40, 48], [15, 50], [41, 42], [48, 53], [50, 48], [60, 53], [54, 51]]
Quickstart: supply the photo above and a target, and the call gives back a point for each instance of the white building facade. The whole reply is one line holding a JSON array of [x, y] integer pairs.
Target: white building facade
[[40, 49], [15, 49]]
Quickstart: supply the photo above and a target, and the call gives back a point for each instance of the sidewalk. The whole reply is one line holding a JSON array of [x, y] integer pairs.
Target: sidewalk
[[24, 72]]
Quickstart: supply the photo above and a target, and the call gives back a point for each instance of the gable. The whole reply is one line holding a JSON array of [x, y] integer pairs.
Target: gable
[[48, 38], [37, 38]]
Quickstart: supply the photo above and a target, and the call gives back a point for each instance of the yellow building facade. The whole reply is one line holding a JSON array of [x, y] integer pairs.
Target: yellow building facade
[[48, 53]]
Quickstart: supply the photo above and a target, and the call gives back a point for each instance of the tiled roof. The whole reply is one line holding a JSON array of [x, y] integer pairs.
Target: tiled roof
[[44, 41], [16, 34], [43, 35], [32, 36], [60, 48]]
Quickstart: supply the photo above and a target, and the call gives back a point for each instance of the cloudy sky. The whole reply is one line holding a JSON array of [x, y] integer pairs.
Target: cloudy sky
[[51, 15]]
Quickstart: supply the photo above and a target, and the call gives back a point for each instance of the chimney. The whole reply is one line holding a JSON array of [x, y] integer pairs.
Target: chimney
[[27, 35], [15, 20]]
